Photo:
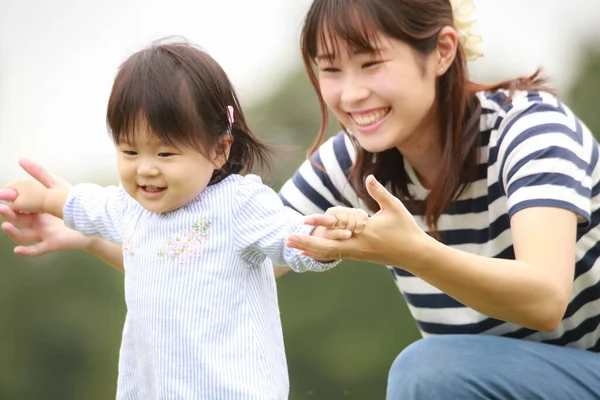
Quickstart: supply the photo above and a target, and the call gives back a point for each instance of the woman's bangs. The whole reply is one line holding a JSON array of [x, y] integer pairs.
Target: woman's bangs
[[350, 22]]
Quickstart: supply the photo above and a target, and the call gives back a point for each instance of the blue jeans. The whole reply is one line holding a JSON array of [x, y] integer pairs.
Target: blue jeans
[[469, 367]]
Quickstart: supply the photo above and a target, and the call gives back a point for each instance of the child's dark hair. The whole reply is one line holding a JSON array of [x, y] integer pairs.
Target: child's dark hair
[[181, 94]]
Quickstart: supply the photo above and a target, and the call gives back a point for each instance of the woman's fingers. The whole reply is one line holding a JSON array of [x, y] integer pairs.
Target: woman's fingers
[[16, 218], [25, 236], [32, 251], [317, 247], [39, 173], [19, 235], [332, 234], [381, 195]]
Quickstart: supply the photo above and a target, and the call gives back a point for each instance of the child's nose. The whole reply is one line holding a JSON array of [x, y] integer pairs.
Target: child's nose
[[147, 169]]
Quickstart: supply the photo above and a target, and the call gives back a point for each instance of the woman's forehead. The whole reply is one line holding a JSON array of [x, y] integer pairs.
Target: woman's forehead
[[332, 44]]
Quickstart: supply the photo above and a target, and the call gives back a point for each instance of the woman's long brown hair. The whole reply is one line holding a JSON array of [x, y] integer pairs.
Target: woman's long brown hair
[[417, 23]]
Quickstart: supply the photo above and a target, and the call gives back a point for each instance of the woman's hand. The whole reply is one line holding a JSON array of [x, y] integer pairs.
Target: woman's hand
[[338, 222], [48, 233], [390, 237]]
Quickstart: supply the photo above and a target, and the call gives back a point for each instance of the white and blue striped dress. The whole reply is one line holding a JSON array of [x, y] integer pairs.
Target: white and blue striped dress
[[202, 314], [534, 152]]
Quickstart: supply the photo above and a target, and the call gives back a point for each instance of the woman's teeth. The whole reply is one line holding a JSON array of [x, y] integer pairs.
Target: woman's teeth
[[371, 118]]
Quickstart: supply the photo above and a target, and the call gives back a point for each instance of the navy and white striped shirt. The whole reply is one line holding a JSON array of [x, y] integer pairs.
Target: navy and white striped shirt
[[534, 152], [202, 314]]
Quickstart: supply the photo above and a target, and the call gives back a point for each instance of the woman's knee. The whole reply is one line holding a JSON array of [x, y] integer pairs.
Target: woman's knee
[[482, 367], [439, 367]]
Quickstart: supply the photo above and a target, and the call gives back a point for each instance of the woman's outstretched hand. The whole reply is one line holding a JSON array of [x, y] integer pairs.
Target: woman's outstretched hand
[[390, 237], [46, 233]]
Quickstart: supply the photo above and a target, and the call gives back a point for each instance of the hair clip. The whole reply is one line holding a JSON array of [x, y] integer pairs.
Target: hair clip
[[230, 118]]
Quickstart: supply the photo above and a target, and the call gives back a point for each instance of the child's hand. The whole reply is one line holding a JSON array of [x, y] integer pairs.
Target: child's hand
[[30, 196], [338, 223]]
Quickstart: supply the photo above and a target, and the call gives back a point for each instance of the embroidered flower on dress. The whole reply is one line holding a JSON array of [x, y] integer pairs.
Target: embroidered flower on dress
[[128, 248], [187, 244], [464, 20]]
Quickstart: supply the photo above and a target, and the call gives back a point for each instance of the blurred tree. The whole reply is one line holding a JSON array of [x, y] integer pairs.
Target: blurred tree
[[61, 328], [584, 94], [289, 118]]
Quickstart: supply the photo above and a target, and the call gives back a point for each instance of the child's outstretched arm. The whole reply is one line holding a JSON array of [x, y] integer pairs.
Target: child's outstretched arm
[[90, 209], [42, 233], [33, 197]]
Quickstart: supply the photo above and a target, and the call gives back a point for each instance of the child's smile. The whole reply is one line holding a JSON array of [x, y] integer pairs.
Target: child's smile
[[160, 177], [151, 191]]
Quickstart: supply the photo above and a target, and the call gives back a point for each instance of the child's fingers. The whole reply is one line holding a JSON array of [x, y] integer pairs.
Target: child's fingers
[[326, 221], [361, 220], [341, 216], [350, 221]]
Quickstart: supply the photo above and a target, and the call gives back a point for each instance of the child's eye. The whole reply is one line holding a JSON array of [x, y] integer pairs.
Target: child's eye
[[166, 154], [330, 70], [129, 152]]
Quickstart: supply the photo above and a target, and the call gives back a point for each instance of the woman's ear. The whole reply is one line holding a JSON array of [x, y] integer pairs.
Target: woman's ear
[[447, 46]]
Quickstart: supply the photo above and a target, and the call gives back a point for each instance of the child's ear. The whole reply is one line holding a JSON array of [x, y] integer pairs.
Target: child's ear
[[223, 149]]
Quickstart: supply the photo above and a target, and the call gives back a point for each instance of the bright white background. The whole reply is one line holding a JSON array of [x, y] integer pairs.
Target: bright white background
[[58, 59]]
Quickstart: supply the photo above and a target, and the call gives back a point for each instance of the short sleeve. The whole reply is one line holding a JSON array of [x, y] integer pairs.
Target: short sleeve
[[322, 181], [96, 211], [545, 158]]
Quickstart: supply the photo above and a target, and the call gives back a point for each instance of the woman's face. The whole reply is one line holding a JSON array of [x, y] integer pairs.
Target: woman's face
[[384, 98]]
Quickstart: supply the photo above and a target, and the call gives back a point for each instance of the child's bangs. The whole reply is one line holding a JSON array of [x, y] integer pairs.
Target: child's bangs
[[153, 97], [352, 22]]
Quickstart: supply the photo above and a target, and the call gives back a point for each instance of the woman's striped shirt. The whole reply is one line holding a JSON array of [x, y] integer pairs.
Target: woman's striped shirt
[[534, 152]]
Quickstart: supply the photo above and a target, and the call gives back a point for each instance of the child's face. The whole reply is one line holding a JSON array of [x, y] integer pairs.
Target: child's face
[[160, 177]]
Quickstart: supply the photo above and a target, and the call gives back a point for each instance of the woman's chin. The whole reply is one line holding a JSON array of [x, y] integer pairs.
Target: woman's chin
[[374, 145]]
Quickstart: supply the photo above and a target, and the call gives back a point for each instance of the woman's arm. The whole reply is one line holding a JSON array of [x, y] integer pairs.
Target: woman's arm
[[533, 291]]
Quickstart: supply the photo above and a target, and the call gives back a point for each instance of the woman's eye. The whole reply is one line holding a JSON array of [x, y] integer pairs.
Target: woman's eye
[[330, 69], [371, 64]]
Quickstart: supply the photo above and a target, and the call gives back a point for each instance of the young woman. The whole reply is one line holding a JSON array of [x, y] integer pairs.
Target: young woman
[[490, 225]]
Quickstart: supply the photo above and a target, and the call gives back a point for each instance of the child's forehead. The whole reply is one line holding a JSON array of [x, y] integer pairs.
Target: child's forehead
[[146, 138]]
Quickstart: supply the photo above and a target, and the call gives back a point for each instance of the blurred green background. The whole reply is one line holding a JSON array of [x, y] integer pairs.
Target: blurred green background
[[62, 314]]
